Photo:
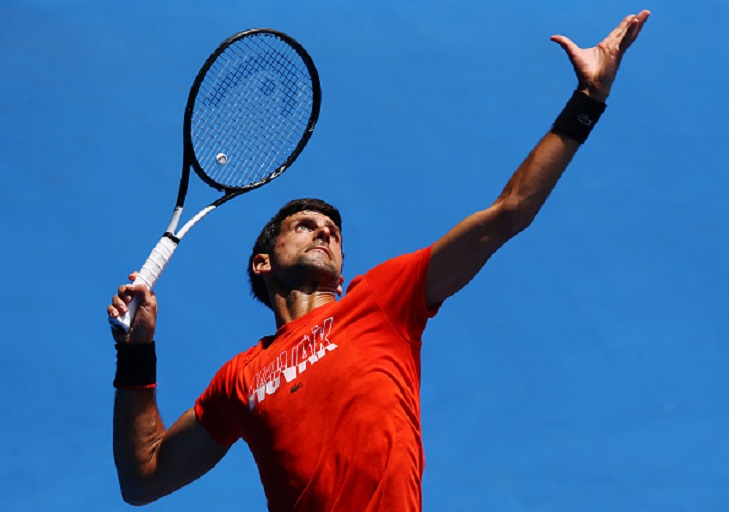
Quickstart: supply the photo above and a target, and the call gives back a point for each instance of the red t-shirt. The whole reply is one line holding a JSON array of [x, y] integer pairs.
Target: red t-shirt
[[330, 405]]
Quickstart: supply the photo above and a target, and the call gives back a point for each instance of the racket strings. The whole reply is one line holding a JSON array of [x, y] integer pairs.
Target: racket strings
[[251, 111]]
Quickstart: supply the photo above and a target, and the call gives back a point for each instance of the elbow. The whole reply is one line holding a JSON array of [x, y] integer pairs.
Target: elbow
[[136, 493], [130, 500], [513, 216], [134, 498]]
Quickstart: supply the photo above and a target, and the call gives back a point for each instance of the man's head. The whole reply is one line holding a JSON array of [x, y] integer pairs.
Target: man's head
[[266, 241]]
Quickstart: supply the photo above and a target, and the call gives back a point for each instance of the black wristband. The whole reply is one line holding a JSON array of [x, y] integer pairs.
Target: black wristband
[[136, 366], [579, 116]]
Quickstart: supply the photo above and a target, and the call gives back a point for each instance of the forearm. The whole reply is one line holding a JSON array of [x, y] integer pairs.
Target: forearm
[[151, 461], [138, 432], [472, 242], [533, 181]]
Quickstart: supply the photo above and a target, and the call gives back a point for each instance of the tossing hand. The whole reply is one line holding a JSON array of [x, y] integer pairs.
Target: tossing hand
[[596, 67]]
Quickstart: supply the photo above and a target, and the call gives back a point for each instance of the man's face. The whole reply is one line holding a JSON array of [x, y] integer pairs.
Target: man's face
[[309, 246]]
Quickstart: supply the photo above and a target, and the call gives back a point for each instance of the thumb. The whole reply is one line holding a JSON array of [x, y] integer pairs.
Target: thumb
[[566, 43]]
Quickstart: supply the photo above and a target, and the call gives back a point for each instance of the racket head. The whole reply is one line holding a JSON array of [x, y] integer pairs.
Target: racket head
[[251, 110]]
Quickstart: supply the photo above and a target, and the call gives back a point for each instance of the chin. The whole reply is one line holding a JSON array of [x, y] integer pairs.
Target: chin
[[321, 267]]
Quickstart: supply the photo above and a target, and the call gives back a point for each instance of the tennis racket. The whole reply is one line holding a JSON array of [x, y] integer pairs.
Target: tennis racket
[[251, 110]]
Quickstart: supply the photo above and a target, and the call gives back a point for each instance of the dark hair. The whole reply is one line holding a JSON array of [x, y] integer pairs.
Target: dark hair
[[266, 241]]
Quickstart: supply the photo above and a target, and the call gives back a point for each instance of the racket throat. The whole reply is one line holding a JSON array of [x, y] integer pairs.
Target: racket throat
[[172, 226], [171, 236]]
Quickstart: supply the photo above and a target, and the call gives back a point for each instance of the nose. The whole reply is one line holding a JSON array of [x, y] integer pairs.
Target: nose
[[324, 234]]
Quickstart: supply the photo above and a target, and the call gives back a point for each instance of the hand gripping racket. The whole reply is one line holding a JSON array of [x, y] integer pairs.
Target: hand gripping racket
[[251, 110]]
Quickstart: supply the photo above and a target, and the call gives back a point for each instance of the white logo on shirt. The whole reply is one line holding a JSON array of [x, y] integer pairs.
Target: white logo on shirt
[[292, 363]]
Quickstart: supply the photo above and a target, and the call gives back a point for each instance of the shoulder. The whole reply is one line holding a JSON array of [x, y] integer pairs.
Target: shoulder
[[240, 360], [404, 266]]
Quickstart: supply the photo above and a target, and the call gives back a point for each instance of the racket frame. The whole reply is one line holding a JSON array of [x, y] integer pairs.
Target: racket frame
[[160, 256]]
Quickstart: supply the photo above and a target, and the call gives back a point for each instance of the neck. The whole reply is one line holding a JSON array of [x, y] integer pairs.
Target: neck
[[296, 304]]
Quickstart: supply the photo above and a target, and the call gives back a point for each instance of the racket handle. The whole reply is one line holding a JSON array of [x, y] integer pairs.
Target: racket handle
[[148, 276]]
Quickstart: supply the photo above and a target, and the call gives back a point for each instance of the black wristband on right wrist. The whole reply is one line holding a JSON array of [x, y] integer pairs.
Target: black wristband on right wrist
[[579, 116], [136, 366]]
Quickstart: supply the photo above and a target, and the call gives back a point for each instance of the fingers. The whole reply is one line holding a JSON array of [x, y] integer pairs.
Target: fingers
[[621, 36], [627, 31], [619, 32], [144, 318], [635, 26], [117, 307], [125, 294]]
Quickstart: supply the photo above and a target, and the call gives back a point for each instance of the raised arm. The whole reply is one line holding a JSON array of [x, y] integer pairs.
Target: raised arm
[[151, 461], [461, 253]]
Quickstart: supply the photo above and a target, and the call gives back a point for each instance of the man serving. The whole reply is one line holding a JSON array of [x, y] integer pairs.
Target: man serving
[[329, 404]]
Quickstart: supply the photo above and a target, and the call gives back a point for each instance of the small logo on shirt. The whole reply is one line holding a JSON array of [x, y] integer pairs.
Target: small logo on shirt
[[296, 387]]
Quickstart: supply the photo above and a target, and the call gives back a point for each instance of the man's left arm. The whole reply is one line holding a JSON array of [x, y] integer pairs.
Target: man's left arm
[[461, 253]]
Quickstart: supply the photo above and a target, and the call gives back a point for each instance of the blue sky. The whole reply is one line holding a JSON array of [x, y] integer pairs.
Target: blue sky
[[584, 369]]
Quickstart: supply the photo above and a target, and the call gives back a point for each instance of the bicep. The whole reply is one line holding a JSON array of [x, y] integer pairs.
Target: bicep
[[459, 255]]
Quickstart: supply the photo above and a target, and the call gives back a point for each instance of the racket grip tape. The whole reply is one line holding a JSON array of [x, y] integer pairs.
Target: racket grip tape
[[157, 261], [148, 276]]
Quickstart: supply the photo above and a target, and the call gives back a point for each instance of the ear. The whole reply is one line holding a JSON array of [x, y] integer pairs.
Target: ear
[[261, 264], [339, 288]]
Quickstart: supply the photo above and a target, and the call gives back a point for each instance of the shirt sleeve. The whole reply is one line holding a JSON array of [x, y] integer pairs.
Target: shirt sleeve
[[215, 407], [399, 286]]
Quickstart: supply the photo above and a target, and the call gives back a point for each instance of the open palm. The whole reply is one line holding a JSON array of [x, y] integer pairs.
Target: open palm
[[597, 67]]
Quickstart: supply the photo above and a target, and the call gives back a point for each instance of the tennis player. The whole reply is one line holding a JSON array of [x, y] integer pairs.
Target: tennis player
[[329, 404]]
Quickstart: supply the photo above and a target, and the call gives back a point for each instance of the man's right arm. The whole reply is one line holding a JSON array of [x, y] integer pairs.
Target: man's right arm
[[152, 461]]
